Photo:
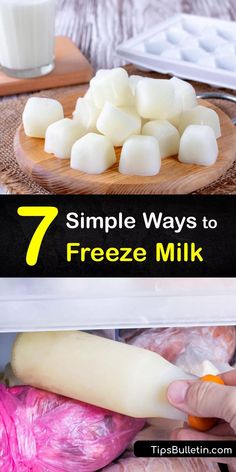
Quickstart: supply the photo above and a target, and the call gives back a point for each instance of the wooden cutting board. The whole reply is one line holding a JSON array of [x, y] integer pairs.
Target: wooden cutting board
[[56, 176], [71, 68]]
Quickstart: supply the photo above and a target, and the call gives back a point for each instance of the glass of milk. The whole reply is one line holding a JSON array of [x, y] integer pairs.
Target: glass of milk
[[27, 32]]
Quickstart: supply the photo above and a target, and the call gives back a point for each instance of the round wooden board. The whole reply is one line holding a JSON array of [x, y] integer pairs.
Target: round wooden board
[[56, 176]]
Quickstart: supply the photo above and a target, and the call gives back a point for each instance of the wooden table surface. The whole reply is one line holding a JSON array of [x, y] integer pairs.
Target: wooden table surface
[[98, 26]]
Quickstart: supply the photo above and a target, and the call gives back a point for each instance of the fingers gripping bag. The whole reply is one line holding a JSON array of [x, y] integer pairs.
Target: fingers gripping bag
[[44, 432]]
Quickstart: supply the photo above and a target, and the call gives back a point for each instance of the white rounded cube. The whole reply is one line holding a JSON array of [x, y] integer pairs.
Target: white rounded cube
[[185, 99], [61, 136], [185, 92], [133, 82], [200, 116], [154, 98], [140, 155], [166, 134], [39, 113], [176, 111], [88, 94], [198, 146], [102, 72], [113, 86], [86, 113], [118, 123], [93, 154]]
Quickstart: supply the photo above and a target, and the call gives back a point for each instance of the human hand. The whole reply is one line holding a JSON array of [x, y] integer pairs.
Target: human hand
[[207, 399]]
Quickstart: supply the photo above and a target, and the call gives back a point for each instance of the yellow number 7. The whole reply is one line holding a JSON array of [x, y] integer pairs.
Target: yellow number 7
[[49, 214]]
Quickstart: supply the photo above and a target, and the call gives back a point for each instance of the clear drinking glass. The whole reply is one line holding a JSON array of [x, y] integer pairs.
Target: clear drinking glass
[[27, 37]]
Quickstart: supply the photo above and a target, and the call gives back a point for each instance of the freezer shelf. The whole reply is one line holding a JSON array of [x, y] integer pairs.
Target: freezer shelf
[[67, 304]]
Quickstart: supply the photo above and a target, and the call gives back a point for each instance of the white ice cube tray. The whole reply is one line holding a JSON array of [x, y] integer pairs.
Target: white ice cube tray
[[192, 47], [61, 304]]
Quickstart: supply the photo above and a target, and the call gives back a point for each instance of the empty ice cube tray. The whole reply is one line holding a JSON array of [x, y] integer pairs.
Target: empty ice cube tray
[[189, 46]]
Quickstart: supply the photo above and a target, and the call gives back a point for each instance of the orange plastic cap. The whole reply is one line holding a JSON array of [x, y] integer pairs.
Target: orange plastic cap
[[204, 424]]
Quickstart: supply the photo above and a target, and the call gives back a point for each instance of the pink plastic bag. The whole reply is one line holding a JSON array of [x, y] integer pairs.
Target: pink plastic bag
[[44, 432]]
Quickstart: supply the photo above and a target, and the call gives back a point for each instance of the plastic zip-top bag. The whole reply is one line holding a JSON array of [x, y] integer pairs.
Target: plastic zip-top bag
[[67, 303]]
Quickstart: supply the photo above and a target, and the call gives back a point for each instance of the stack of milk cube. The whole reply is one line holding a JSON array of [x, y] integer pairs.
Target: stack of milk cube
[[151, 119]]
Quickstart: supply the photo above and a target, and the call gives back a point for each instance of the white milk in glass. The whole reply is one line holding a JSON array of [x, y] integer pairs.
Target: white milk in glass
[[27, 37]]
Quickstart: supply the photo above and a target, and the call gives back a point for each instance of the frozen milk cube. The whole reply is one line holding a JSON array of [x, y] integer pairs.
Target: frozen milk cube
[[39, 113], [88, 95], [86, 113], [118, 123], [198, 145], [140, 155], [176, 112], [61, 136], [93, 154], [200, 116], [102, 72], [133, 82], [154, 98], [166, 134], [185, 93], [113, 86], [185, 99]]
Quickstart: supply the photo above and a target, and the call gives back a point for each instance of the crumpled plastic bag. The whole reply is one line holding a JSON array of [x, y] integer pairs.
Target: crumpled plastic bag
[[189, 348], [131, 464], [45, 432]]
